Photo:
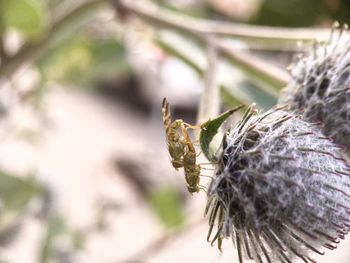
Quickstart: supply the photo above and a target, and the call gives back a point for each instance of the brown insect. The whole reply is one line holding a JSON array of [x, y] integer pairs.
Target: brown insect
[[176, 143], [181, 148]]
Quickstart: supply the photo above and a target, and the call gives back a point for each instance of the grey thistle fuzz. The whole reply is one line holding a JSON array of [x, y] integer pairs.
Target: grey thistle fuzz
[[280, 190], [320, 87]]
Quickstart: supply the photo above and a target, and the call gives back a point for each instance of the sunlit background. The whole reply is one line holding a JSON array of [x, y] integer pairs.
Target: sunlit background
[[85, 175]]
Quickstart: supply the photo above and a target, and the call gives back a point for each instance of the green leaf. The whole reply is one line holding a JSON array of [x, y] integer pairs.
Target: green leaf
[[209, 129], [15, 192], [28, 16], [167, 205]]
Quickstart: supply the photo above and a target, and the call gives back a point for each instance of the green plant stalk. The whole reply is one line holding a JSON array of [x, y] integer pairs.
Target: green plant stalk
[[198, 28], [162, 18], [209, 105], [256, 67], [229, 98], [264, 35]]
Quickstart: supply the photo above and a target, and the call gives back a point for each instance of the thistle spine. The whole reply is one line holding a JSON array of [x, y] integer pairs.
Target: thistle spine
[[280, 189]]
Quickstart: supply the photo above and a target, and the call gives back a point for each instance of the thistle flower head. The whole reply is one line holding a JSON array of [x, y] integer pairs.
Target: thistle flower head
[[280, 189], [320, 87]]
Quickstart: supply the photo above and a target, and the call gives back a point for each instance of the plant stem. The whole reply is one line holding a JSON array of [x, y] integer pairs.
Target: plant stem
[[253, 65], [198, 28], [210, 103], [232, 99], [264, 35], [275, 76]]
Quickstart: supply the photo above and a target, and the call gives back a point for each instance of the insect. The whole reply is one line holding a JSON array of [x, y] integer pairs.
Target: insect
[[176, 143], [181, 148], [191, 168]]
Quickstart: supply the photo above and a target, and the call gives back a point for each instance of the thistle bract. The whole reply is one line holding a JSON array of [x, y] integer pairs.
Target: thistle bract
[[320, 88], [280, 189]]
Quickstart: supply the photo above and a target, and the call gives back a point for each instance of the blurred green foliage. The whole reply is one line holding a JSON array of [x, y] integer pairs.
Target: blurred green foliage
[[54, 228], [30, 17], [24, 189], [233, 92], [81, 58], [301, 13], [291, 13], [74, 56], [16, 196], [83, 61], [167, 205]]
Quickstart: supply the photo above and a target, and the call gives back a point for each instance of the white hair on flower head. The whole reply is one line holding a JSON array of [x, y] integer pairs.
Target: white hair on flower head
[[280, 189], [320, 87]]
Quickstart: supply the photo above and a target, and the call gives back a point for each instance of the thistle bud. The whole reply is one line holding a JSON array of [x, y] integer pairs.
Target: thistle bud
[[320, 88], [280, 189]]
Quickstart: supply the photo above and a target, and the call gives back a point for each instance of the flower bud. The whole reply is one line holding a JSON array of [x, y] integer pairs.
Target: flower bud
[[280, 189], [320, 88]]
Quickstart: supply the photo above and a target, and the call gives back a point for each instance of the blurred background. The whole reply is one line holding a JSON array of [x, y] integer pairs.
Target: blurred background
[[85, 175]]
